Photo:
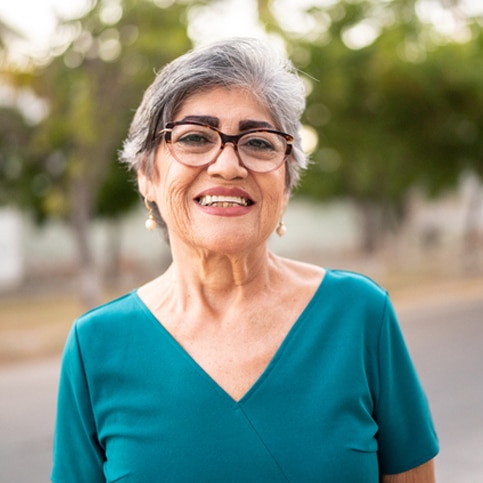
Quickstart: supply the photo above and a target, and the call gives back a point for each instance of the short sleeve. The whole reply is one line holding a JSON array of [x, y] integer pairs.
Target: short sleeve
[[77, 456], [406, 434]]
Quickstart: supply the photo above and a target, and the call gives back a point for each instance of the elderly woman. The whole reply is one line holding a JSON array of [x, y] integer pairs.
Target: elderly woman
[[235, 365]]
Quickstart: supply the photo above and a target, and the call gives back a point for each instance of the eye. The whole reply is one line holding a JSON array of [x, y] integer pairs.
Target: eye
[[195, 138], [258, 142]]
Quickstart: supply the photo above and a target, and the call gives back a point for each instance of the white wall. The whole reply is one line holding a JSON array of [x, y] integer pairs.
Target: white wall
[[11, 256]]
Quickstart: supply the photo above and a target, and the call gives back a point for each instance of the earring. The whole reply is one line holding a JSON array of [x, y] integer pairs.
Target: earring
[[150, 223], [281, 229]]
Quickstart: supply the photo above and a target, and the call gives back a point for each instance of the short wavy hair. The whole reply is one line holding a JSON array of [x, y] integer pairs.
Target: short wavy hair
[[246, 63]]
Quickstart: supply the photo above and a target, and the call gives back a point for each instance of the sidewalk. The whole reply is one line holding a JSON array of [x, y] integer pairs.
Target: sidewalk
[[439, 292]]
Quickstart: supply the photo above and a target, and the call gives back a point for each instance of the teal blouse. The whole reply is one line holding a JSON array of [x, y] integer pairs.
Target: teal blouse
[[339, 402]]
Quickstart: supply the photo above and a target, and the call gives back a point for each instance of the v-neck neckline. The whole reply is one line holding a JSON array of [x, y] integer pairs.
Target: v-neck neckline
[[268, 368]]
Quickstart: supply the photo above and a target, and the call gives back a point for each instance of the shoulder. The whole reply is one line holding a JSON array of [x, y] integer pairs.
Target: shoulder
[[353, 283], [111, 315], [354, 298], [358, 288], [109, 329], [300, 274], [113, 306], [349, 282]]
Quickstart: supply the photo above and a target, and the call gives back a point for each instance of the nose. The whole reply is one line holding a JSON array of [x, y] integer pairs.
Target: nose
[[227, 163]]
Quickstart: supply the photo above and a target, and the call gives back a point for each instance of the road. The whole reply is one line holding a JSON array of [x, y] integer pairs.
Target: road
[[446, 343], [27, 414], [445, 339]]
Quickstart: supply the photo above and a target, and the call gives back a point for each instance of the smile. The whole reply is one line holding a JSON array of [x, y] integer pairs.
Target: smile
[[223, 201]]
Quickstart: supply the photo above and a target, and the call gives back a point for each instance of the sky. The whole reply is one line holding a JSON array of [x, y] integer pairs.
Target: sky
[[36, 19]]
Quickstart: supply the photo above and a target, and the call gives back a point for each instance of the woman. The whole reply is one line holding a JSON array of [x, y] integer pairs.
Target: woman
[[235, 365]]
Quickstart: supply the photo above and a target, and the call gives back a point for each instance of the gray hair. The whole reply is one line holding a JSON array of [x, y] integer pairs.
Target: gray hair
[[239, 62]]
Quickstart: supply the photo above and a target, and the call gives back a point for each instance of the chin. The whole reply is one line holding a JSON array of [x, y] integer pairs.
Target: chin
[[231, 243]]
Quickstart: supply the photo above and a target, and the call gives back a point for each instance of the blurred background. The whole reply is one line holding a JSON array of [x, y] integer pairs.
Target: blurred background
[[394, 128]]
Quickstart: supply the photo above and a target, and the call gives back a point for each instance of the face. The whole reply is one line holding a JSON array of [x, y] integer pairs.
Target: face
[[222, 207]]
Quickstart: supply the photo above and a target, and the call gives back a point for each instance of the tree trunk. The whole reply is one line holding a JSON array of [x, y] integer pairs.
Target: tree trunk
[[471, 233], [378, 220], [89, 281], [113, 251], [370, 226]]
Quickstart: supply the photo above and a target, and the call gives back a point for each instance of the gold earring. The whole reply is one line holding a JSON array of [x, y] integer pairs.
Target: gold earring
[[281, 229], [150, 223]]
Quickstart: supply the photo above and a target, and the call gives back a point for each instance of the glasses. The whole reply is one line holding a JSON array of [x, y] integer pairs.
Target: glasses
[[196, 144]]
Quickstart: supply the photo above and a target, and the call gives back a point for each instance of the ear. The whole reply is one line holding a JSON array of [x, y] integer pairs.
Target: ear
[[285, 199], [145, 186]]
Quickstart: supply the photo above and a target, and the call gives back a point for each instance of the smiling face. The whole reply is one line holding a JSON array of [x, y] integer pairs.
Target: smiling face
[[222, 207]]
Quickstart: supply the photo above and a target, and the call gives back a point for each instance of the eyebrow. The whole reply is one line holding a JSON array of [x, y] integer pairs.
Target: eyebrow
[[252, 124], [244, 125], [210, 120]]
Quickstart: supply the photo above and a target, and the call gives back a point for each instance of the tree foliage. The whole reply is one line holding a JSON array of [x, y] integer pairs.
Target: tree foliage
[[395, 103], [92, 88], [14, 134], [404, 110]]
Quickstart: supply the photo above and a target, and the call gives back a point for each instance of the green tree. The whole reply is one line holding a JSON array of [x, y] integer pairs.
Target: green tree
[[402, 110], [14, 134], [92, 88]]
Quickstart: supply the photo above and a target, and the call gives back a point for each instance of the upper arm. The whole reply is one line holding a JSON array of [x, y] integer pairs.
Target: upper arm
[[77, 455], [421, 474], [406, 434]]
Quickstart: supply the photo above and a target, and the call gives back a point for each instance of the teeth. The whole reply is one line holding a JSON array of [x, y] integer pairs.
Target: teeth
[[222, 201]]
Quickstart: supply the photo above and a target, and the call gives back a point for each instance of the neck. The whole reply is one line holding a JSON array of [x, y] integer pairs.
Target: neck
[[216, 280]]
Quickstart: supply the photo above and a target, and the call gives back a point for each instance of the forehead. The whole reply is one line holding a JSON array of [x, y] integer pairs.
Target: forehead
[[227, 104]]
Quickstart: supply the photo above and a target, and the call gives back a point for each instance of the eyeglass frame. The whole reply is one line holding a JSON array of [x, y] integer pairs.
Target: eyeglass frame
[[225, 139]]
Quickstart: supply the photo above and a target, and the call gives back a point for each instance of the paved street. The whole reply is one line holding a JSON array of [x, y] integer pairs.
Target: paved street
[[27, 413], [445, 339], [447, 347]]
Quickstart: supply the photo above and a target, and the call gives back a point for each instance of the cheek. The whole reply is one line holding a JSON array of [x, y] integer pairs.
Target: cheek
[[173, 193], [275, 194], [274, 203]]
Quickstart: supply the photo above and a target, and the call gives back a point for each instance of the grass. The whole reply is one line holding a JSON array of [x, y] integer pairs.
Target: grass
[[34, 326]]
